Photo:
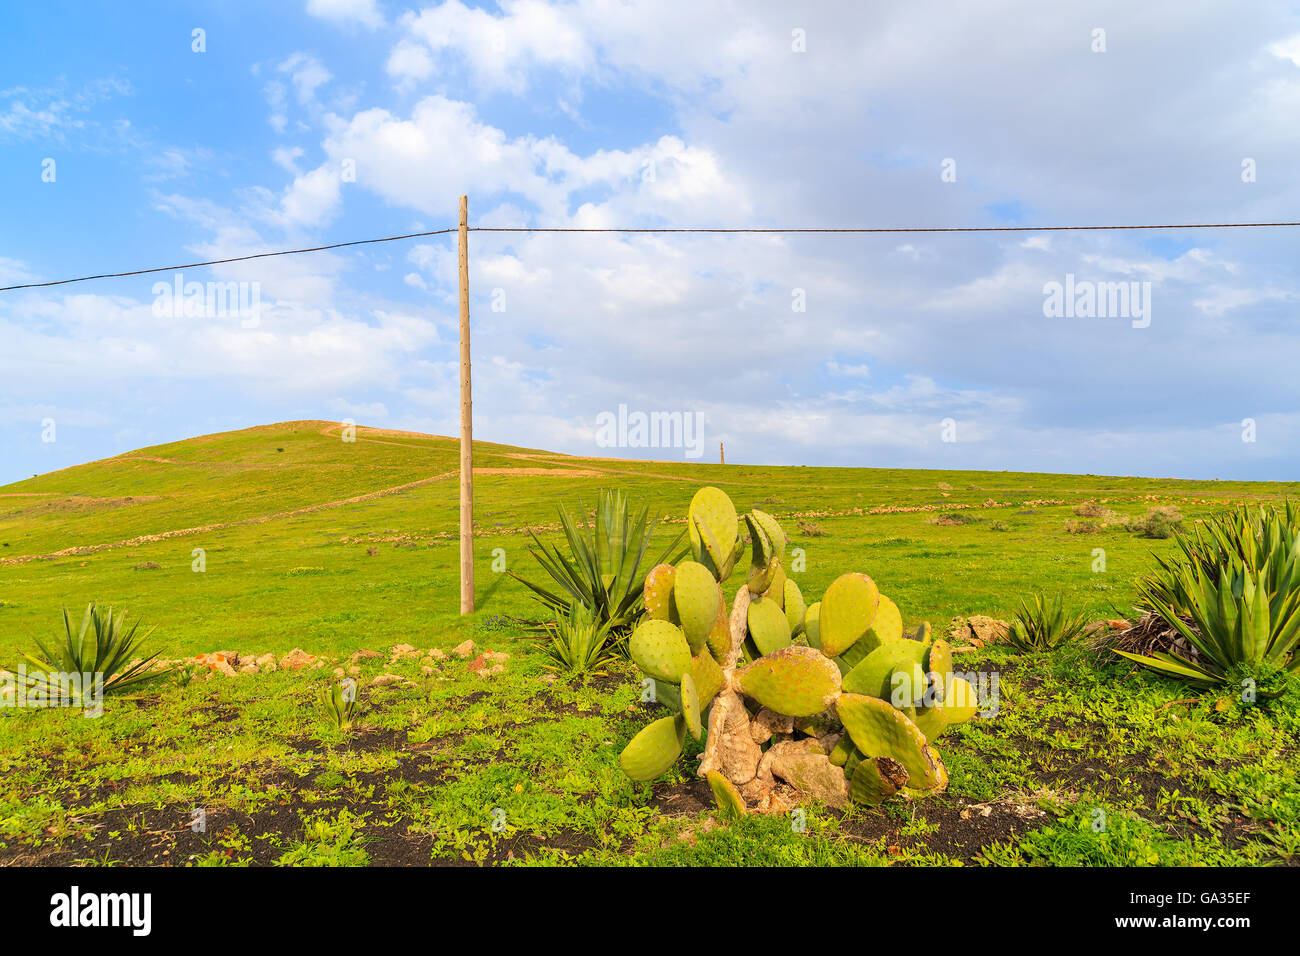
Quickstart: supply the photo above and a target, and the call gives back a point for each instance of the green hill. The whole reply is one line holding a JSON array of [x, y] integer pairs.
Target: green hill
[[316, 542]]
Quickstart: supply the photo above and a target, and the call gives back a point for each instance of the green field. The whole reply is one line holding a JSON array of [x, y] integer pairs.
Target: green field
[[331, 546]]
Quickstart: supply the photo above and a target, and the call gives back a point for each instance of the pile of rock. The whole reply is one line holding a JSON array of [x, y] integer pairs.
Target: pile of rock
[[486, 663], [978, 630]]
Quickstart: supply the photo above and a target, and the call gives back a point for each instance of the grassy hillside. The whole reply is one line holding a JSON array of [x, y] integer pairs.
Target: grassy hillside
[[453, 763], [286, 514]]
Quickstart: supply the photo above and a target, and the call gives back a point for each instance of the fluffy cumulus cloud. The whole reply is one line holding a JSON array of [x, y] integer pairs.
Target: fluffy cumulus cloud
[[816, 349]]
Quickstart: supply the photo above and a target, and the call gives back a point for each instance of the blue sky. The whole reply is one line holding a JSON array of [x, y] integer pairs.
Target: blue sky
[[593, 113]]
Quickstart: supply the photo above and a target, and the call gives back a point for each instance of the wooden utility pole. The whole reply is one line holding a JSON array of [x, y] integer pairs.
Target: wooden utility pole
[[722, 454], [466, 427]]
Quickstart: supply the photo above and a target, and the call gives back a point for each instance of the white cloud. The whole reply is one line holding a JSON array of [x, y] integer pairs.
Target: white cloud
[[364, 12]]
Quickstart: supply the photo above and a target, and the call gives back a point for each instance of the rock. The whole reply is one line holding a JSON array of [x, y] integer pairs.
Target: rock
[[263, 659], [494, 670], [978, 630], [269, 666], [464, 650], [363, 654], [497, 657], [402, 651], [780, 800], [813, 775], [216, 658], [757, 790], [768, 722], [436, 654], [249, 668], [426, 670], [354, 670], [338, 672], [296, 660], [222, 667], [384, 680]]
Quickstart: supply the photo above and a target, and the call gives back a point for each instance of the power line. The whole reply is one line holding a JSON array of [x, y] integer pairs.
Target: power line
[[217, 262], [881, 230], [907, 229]]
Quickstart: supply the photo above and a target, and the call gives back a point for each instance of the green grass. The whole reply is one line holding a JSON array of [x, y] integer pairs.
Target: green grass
[[461, 768]]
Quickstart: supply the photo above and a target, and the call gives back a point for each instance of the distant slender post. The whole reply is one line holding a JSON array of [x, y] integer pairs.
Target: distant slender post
[[722, 454], [466, 427]]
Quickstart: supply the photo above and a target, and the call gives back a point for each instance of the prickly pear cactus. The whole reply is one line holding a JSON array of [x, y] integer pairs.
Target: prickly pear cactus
[[831, 698]]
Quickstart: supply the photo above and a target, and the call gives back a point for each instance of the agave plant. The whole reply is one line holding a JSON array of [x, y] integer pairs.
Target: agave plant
[[1258, 538], [1237, 620], [103, 647], [579, 646], [1041, 625], [606, 572], [339, 701]]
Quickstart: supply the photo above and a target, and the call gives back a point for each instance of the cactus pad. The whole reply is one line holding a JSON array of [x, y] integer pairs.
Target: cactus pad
[[795, 609], [707, 676], [655, 749], [876, 779], [812, 624], [713, 527], [660, 649], [938, 663], [768, 626], [848, 608], [719, 639], [697, 598], [873, 675], [691, 706], [879, 730], [730, 803], [771, 528], [795, 681], [659, 591], [886, 626], [959, 705]]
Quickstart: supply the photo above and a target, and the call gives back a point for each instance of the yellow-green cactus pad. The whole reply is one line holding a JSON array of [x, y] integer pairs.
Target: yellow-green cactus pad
[[879, 730], [772, 528], [655, 749], [776, 589], [873, 675], [713, 526], [939, 663], [876, 779], [958, 706], [670, 695], [660, 649], [659, 591], [720, 635], [842, 750], [795, 609], [697, 598], [812, 624], [768, 626], [730, 803], [848, 608], [795, 681], [691, 706], [707, 676]]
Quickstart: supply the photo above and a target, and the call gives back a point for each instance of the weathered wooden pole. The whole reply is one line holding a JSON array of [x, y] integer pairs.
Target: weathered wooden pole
[[466, 427], [722, 454]]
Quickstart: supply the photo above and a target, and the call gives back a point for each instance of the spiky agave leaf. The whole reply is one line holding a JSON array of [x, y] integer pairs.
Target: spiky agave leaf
[[100, 646]]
